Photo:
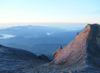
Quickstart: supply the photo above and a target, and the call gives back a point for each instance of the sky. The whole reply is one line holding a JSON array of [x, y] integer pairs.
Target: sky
[[48, 11]]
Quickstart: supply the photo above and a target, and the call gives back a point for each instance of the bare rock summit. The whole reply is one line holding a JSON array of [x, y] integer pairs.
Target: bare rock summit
[[83, 50]]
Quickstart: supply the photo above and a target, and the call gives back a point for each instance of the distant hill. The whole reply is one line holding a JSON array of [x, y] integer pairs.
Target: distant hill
[[81, 55], [31, 31], [13, 60], [34, 38]]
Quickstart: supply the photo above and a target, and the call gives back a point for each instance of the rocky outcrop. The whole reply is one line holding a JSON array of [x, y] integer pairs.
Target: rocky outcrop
[[57, 52], [83, 51], [44, 57], [77, 34]]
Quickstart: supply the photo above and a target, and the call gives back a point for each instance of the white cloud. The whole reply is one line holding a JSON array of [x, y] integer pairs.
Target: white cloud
[[48, 33], [6, 36]]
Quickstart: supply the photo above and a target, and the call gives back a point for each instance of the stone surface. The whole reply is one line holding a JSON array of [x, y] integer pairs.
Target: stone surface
[[75, 51], [44, 57], [14, 60], [57, 52], [84, 50]]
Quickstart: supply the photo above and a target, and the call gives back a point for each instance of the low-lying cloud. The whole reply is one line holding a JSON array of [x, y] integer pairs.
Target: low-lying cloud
[[6, 36]]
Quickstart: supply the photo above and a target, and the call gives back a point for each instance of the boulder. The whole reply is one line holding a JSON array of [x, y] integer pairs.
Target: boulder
[[44, 57], [57, 52]]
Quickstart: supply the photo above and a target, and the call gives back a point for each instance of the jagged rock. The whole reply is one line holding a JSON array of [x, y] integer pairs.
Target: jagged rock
[[77, 34], [83, 51], [44, 57], [57, 52]]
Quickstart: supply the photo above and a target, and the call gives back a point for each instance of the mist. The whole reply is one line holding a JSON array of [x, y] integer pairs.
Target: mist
[[68, 26]]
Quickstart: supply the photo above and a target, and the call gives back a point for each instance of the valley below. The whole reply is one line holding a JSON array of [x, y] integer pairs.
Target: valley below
[[36, 39]]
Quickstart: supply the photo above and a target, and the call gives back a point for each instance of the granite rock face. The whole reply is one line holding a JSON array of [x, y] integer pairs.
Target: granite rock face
[[83, 51], [57, 52]]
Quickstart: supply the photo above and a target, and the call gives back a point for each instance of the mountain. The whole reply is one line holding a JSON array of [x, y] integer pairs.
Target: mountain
[[83, 51], [81, 55], [35, 32], [34, 38], [13, 60], [31, 31]]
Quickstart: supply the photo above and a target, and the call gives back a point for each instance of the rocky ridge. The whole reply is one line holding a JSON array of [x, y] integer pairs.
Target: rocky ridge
[[14, 60], [56, 53], [84, 50]]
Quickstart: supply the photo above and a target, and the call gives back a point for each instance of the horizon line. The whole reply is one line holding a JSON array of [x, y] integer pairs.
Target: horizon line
[[49, 22]]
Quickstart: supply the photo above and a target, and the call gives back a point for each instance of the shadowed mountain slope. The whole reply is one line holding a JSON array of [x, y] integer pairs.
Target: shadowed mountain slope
[[13, 60]]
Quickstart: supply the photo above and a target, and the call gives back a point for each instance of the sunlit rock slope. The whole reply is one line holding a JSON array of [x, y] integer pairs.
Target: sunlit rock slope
[[83, 51]]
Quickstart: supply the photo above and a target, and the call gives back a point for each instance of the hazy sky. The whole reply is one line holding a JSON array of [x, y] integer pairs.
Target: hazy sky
[[49, 11]]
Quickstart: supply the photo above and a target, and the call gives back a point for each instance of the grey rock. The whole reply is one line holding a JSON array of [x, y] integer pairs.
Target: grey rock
[[44, 57], [14, 60], [83, 50], [57, 52]]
